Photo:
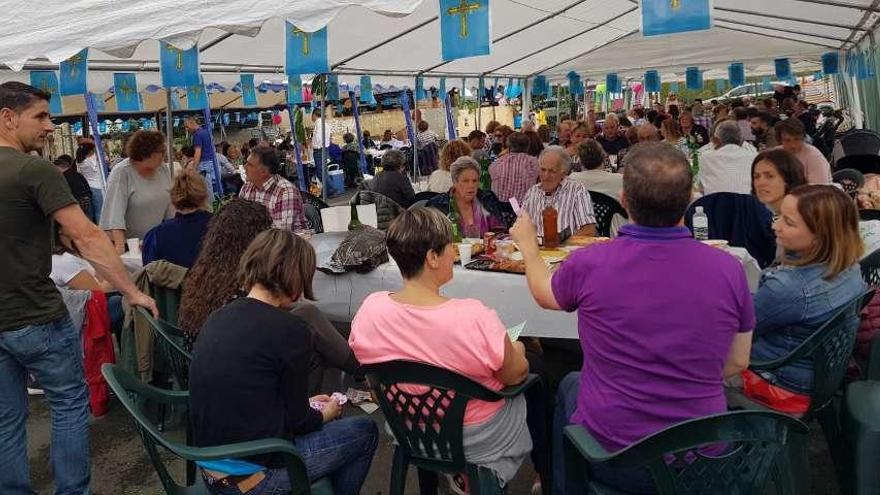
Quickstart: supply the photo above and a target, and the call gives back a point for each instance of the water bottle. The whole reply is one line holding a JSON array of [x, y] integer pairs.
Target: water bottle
[[701, 225]]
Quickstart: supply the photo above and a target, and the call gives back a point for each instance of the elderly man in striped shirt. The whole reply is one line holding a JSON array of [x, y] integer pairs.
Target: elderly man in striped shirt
[[570, 199], [515, 172]]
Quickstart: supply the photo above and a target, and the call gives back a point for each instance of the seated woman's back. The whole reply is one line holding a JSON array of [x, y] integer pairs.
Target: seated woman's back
[[251, 356], [818, 230], [461, 335]]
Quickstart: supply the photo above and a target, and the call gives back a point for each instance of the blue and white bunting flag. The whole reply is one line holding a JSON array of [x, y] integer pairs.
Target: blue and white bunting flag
[[539, 86], [74, 74], [196, 97], [660, 17], [693, 78], [831, 63], [248, 91], [47, 81], [464, 28], [783, 68], [125, 89], [180, 68], [575, 86], [652, 81], [294, 89], [736, 74], [306, 53], [612, 83], [366, 95]]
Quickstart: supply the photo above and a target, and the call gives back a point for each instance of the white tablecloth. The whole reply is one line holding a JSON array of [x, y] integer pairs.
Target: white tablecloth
[[340, 296]]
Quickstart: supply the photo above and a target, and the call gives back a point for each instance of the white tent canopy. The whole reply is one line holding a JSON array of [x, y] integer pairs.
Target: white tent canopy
[[398, 39]]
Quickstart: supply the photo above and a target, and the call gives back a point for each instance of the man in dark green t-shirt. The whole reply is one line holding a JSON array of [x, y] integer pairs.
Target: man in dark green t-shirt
[[37, 336]]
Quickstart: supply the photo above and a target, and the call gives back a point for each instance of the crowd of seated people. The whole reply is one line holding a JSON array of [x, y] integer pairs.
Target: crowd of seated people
[[664, 322]]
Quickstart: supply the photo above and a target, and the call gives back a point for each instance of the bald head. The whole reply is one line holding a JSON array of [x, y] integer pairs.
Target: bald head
[[647, 133], [657, 184]]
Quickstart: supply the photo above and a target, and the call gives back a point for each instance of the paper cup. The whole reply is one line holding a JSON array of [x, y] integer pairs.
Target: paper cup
[[464, 253], [134, 245]]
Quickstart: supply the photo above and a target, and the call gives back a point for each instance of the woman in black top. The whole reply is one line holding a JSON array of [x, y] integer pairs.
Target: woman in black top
[[249, 380]]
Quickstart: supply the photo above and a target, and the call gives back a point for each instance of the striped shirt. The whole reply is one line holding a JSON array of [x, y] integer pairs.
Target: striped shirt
[[571, 200], [281, 198], [513, 174]]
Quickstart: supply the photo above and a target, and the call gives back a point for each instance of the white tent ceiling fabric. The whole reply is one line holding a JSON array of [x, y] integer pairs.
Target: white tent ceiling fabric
[[398, 39]]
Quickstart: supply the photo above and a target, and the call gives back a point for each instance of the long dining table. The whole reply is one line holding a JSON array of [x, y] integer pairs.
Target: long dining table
[[340, 296]]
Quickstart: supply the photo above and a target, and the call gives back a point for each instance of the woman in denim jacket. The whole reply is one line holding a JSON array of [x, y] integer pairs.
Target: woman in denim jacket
[[819, 274]]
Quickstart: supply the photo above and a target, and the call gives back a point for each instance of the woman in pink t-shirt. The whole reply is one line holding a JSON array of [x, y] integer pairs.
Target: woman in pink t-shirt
[[462, 335]]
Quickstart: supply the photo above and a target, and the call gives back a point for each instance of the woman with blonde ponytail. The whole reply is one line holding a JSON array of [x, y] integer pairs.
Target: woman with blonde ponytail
[[179, 239]]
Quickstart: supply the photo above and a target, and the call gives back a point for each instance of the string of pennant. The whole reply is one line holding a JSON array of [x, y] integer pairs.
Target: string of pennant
[[465, 31]]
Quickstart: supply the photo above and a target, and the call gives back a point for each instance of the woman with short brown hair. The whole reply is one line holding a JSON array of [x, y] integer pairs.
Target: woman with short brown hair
[[136, 198], [179, 239], [248, 381], [818, 228]]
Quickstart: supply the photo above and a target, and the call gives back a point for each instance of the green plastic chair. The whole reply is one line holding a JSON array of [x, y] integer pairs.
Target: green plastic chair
[[167, 301], [829, 349], [168, 339], [757, 443], [861, 425], [429, 426], [132, 392]]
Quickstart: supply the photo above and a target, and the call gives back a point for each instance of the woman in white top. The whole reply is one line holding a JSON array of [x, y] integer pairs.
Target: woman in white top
[[88, 167], [440, 180], [72, 274], [595, 174]]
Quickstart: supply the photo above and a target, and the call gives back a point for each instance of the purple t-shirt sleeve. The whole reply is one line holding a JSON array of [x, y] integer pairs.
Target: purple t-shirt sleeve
[[567, 282], [746, 304]]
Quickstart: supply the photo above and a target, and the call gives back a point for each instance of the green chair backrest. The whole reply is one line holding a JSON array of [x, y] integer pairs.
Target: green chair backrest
[[828, 349], [167, 300], [133, 393], [605, 207], [428, 424], [733, 452], [870, 266], [169, 342]]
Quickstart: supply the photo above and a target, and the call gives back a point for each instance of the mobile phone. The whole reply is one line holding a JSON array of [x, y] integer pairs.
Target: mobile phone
[[515, 205]]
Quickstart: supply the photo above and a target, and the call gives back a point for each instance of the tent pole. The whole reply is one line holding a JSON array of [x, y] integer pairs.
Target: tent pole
[[323, 142], [415, 145], [526, 99], [169, 130], [558, 119]]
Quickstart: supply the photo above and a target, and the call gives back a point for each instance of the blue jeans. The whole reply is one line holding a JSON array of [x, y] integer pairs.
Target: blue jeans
[[52, 353], [206, 168], [636, 481], [114, 307], [341, 450], [318, 155], [97, 204]]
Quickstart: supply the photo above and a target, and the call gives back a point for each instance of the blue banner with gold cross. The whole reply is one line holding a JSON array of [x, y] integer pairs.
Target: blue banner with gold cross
[[196, 97], [125, 90], [736, 74], [652, 81], [661, 17], [73, 74], [180, 68], [464, 28], [306, 53], [782, 68], [366, 95], [294, 89], [248, 91], [693, 78], [47, 81]]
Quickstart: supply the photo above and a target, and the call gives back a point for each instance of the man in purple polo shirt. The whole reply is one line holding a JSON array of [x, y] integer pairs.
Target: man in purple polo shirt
[[662, 318], [204, 153]]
